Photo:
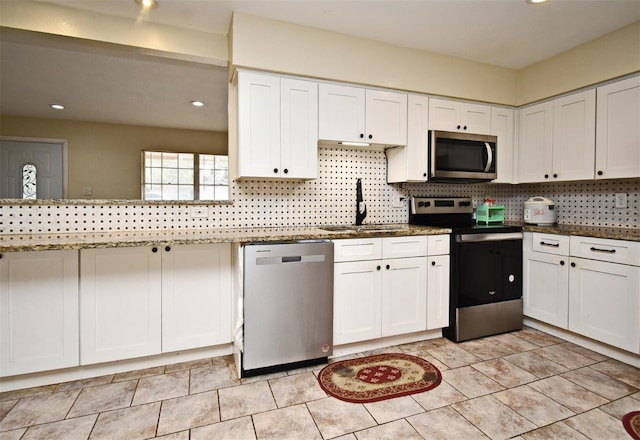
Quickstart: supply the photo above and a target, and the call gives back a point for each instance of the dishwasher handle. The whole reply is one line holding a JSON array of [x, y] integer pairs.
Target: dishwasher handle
[[269, 260]]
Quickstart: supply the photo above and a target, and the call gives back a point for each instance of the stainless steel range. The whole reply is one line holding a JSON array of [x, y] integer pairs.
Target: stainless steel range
[[486, 268]]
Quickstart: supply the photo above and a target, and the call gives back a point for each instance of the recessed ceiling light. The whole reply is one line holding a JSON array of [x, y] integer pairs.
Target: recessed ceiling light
[[57, 106], [536, 2], [147, 4], [197, 103]]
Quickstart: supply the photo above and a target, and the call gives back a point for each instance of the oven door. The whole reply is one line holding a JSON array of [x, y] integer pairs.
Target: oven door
[[488, 268], [461, 157]]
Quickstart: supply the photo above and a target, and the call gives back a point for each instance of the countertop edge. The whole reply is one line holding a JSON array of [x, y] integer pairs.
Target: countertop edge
[[75, 241]]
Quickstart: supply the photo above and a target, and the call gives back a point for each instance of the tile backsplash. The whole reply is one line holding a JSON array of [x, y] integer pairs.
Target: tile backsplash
[[330, 199]]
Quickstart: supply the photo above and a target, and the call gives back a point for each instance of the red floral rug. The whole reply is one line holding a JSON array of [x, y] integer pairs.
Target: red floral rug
[[631, 422], [378, 377]]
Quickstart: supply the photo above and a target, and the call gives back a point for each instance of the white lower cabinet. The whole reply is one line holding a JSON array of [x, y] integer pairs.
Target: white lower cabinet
[[38, 311], [196, 299], [120, 303], [604, 302], [142, 301], [595, 293], [546, 278], [382, 287]]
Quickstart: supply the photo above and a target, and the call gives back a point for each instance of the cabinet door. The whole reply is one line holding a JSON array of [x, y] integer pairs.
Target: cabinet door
[[341, 113], [258, 125], [38, 311], [459, 116], [120, 303], [618, 130], [476, 118], [502, 127], [410, 163], [546, 287], [196, 296], [404, 295], [299, 129], [604, 302], [357, 301], [535, 143], [386, 117], [438, 268], [574, 126], [444, 114]]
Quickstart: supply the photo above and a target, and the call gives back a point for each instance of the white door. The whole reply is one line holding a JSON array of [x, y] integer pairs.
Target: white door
[[356, 302], [196, 296], [258, 125], [438, 268], [535, 143], [299, 129], [476, 118], [341, 113], [502, 126], [604, 303], [47, 156], [574, 136], [120, 303], [618, 130], [546, 287], [404, 295], [386, 117], [38, 311]]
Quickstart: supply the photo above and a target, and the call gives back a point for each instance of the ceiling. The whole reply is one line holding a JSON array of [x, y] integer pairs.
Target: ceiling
[[101, 84]]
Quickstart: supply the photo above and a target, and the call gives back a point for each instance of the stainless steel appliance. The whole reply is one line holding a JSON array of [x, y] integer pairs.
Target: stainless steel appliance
[[486, 268], [461, 157], [288, 305]]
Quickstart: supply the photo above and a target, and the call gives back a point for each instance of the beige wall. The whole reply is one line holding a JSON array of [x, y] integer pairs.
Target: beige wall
[[284, 47], [152, 38], [613, 55], [106, 157]]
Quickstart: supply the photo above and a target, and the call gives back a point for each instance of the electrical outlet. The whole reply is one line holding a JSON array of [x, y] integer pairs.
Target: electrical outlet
[[87, 191], [398, 201], [199, 211], [621, 200]]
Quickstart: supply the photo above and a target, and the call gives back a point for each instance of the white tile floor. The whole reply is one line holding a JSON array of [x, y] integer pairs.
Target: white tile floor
[[523, 385]]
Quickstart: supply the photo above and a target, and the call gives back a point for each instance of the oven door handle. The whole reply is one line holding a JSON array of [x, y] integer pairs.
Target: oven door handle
[[489, 157], [497, 236]]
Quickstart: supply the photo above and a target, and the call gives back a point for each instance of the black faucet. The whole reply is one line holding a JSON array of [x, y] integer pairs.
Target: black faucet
[[361, 207]]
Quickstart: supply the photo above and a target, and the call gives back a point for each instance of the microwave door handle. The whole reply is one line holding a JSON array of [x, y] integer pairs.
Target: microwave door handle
[[489, 157]]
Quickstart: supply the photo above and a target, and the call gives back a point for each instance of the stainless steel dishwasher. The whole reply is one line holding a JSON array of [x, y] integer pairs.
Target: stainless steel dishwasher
[[288, 305]]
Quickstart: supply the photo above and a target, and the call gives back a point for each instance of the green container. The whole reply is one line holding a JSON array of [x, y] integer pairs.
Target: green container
[[490, 214]]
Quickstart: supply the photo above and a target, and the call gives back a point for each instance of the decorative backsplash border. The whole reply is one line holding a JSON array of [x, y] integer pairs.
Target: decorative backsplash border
[[328, 200]]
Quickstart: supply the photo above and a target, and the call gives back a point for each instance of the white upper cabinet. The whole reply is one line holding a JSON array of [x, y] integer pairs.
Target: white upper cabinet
[[502, 126], [618, 130], [557, 139], [410, 163], [355, 114], [535, 142], [277, 127], [459, 116], [574, 120]]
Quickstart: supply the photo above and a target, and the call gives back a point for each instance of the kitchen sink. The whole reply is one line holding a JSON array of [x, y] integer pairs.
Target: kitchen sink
[[364, 228]]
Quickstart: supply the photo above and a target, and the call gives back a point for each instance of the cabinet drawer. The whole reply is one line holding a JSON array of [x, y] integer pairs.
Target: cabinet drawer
[[357, 249], [550, 243], [438, 244], [615, 251], [402, 247]]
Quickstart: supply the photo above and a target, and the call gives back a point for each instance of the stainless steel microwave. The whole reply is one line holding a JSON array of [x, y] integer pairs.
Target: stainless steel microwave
[[461, 157]]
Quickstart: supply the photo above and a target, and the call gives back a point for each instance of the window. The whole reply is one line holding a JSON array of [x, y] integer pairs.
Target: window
[[184, 176], [29, 181]]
